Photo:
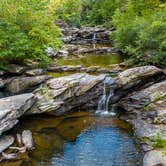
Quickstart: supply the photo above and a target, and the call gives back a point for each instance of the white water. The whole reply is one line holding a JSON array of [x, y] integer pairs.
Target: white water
[[103, 105]]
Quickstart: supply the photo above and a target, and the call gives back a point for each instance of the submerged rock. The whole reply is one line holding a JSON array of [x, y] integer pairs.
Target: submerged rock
[[63, 94], [11, 108], [27, 139]]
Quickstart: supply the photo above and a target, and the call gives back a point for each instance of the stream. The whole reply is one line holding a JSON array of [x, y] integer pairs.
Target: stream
[[80, 138]]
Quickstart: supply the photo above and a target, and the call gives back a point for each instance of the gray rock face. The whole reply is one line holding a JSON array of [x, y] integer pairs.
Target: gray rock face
[[11, 108], [155, 158], [148, 108], [63, 94], [134, 78], [145, 108], [140, 99], [20, 84], [5, 142], [85, 35]]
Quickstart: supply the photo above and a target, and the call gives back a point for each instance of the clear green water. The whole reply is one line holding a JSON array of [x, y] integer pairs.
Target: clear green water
[[78, 139], [102, 60]]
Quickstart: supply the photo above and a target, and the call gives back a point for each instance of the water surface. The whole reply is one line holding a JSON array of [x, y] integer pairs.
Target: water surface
[[78, 139]]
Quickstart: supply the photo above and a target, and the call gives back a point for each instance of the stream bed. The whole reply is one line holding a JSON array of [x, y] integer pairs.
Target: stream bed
[[78, 139]]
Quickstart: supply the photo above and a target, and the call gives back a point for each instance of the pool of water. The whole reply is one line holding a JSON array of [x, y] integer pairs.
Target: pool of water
[[102, 60], [78, 139]]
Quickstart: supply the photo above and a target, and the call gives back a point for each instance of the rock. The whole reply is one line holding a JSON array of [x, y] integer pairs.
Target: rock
[[11, 108], [134, 76], [62, 53], [51, 52], [140, 99], [67, 39], [148, 109], [32, 64], [2, 83], [155, 158], [10, 156], [5, 142], [85, 35], [92, 69], [76, 68], [21, 84], [63, 94], [71, 48], [99, 50], [16, 69], [27, 139], [35, 72], [2, 72]]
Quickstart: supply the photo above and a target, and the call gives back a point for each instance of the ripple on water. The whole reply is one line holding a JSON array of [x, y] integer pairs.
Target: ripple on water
[[101, 146]]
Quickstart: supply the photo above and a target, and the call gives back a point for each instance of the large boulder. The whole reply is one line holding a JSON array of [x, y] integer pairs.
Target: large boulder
[[60, 95], [21, 84], [11, 108], [140, 99], [155, 158], [135, 79], [146, 110], [134, 76]]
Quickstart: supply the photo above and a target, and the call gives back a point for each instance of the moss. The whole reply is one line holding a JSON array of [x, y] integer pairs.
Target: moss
[[45, 91], [147, 108], [158, 96]]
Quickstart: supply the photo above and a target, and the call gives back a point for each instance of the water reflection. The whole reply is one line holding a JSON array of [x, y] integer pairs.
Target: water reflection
[[78, 139]]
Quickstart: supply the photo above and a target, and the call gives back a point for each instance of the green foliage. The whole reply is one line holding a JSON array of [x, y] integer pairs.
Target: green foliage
[[159, 141], [70, 11], [81, 12], [141, 32], [100, 12], [26, 29]]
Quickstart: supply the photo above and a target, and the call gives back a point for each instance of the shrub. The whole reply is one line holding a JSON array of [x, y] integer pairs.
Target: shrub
[[69, 11], [141, 33], [159, 142], [26, 28]]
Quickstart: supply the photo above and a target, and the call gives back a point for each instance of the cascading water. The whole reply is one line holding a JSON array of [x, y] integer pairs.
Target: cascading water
[[94, 41], [103, 105]]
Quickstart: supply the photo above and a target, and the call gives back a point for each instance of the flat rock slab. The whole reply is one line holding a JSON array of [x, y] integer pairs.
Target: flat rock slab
[[134, 76], [5, 142], [11, 108], [65, 93]]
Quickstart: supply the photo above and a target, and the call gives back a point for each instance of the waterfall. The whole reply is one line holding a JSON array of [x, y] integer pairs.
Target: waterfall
[[94, 41], [103, 104]]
